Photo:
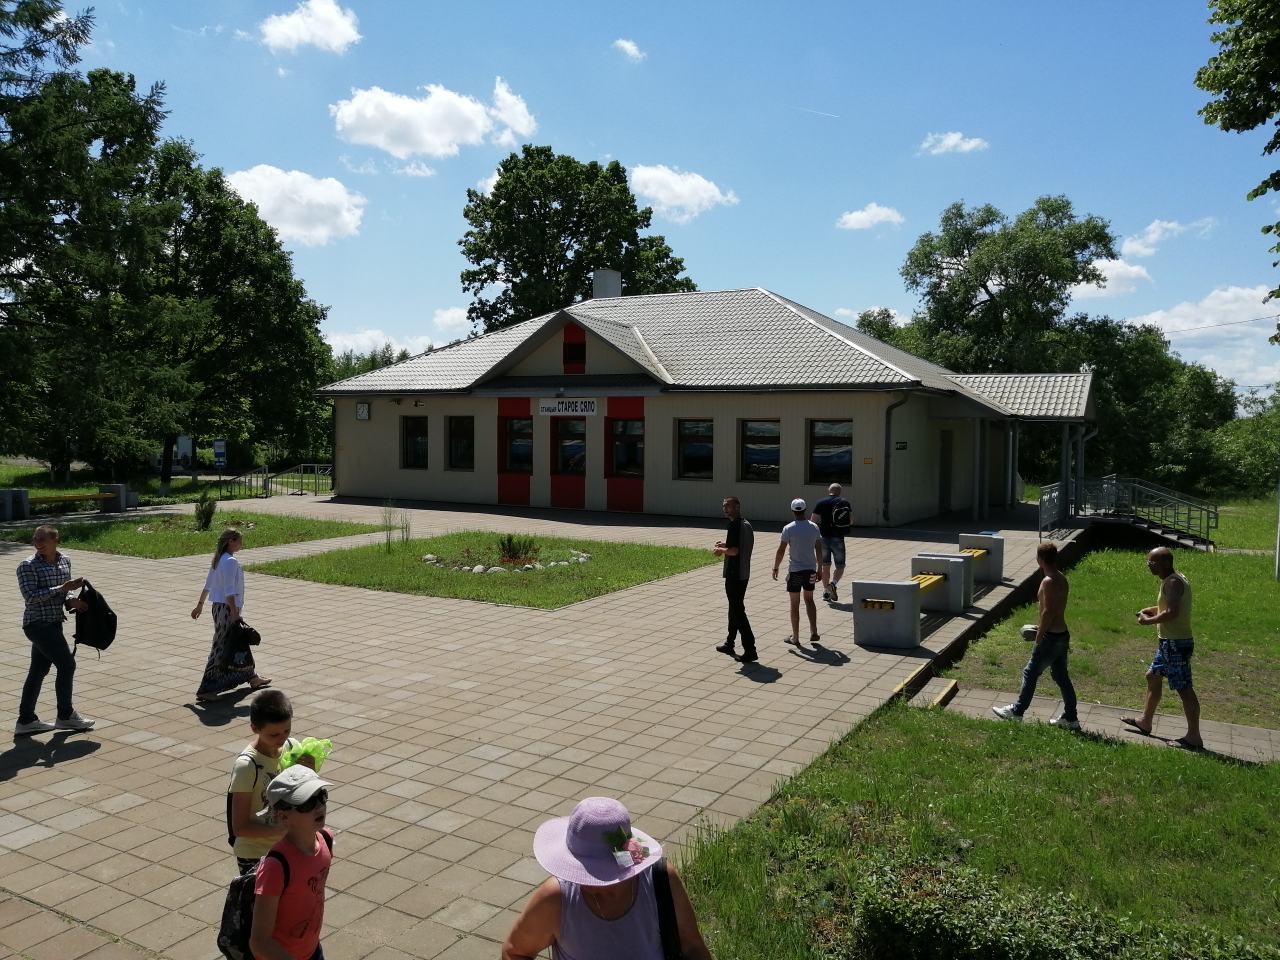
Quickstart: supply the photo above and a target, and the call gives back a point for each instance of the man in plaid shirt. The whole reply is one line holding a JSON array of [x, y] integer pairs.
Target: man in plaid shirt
[[45, 580]]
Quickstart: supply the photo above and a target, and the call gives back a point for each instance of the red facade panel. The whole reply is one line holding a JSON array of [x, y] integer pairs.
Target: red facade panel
[[513, 488], [624, 494]]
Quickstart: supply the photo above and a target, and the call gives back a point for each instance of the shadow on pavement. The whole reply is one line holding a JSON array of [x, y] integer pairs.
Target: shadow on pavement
[[29, 752], [220, 712]]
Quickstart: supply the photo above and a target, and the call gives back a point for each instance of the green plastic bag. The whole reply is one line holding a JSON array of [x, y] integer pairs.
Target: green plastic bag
[[317, 750]]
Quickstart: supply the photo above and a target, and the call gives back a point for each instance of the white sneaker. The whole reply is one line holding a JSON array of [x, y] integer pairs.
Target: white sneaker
[[1007, 712], [32, 726], [75, 722], [1064, 723]]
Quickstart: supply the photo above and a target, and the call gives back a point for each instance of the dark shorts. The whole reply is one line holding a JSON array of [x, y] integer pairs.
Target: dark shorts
[[833, 551], [798, 580], [1173, 662]]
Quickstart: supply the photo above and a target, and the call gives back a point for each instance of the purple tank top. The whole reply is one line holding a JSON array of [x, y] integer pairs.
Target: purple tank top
[[584, 936]]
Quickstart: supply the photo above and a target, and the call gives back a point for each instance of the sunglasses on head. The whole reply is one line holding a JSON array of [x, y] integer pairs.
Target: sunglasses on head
[[317, 799]]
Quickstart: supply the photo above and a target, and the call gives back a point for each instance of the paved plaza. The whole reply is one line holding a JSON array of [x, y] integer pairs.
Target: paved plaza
[[458, 728]]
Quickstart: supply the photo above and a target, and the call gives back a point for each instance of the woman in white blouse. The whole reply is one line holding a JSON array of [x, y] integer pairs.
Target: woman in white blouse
[[228, 666]]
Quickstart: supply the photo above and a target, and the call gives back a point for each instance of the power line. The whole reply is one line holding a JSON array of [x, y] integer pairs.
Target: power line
[[1228, 323]]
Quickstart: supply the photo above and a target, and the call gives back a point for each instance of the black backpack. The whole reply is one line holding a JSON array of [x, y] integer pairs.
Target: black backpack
[[841, 515], [237, 912], [96, 626]]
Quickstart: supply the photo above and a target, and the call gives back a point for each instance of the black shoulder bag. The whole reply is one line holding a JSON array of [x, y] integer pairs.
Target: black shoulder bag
[[668, 926]]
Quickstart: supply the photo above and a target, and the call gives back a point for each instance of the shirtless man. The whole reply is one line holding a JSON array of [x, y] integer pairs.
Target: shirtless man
[[1052, 638], [1171, 616]]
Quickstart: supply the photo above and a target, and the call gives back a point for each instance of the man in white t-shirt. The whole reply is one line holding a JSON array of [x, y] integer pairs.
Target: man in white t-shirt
[[805, 540]]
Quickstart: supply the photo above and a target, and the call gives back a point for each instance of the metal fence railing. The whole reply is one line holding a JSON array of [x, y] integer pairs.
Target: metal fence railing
[[1129, 498], [254, 483], [303, 478]]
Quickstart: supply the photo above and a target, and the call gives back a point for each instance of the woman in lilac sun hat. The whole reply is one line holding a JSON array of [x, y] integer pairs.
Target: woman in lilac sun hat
[[601, 899]]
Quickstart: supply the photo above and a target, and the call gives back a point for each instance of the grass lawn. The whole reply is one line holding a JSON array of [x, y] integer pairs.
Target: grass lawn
[[1237, 658], [1249, 524], [182, 489], [613, 566], [169, 535], [1161, 835]]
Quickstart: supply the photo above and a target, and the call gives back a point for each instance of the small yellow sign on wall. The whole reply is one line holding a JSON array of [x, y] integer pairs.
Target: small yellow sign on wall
[[867, 460]]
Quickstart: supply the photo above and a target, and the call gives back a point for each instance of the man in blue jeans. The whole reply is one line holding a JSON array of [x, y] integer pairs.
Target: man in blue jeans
[[45, 580], [1051, 642]]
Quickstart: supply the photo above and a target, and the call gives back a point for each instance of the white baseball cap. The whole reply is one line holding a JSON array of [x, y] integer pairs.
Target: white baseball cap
[[798, 505]]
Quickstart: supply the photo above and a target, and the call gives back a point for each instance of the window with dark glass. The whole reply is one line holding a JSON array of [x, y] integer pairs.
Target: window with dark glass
[[694, 449], [627, 438], [760, 457], [462, 443], [413, 443], [830, 451], [518, 440], [570, 445], [575, 356]]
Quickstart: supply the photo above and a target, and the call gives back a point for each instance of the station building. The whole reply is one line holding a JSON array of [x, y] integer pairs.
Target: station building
[[667, 403]]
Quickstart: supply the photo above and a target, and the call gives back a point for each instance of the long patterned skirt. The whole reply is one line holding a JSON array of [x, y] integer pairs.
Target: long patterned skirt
[[220, 674]]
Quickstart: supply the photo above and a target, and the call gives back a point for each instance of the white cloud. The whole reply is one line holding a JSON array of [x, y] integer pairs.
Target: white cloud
[[415, 168], [848, 313], [868, 217], [1119, 278], [242, 35], [315, 23], [1144, 244], [366, 339], [310, 210], [281, 72], [436, 125], [1239, 351], [364, 167], [486, 184], [452, 320], [678, 196], [629, 47], [953, 142], [511, 113]]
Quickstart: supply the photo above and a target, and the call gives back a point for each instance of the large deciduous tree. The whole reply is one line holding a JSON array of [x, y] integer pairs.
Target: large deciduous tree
[[992, 287], [1244, 76], [548, 222], [228, 311]]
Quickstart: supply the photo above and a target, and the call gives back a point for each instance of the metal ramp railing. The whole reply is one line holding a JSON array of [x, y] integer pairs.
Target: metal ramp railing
[[303, 478], [1137, 501], [255, 483]]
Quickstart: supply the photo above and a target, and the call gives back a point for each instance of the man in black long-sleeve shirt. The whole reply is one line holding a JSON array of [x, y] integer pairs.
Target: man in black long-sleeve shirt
[[735, 548]]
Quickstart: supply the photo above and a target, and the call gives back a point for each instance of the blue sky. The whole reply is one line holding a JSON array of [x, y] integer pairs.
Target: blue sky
[[802, 148]]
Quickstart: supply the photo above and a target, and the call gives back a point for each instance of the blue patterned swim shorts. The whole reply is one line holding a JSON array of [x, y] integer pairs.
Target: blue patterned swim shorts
[[1173, 661]]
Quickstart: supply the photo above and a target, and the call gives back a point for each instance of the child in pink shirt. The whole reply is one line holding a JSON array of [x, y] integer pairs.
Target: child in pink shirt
[[288, 908]]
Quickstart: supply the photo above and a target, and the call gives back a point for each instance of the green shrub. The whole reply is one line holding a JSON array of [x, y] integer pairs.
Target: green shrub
[[946, 912], [516, 548], [206, 507]]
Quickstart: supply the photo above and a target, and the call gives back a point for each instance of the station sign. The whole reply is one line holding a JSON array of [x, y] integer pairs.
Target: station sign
[[567, 406]]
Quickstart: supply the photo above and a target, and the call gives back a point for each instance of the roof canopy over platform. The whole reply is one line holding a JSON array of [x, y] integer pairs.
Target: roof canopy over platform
[[730, 340]]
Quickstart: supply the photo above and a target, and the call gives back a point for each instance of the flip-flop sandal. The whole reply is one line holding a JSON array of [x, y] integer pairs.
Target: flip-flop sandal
[[259, 684], [200, 698], [792, 642], [1182, 742], [1131, 722]]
